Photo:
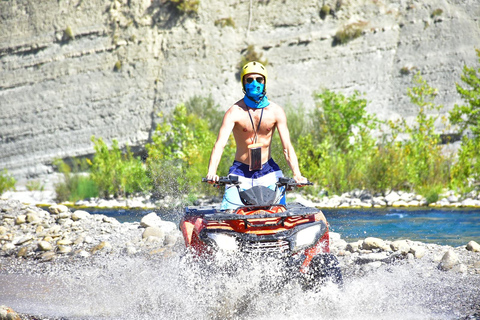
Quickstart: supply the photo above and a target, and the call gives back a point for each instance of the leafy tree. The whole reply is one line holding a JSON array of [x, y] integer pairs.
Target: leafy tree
[[423, 160], [468, 116], [180, 151], [336, 150], [466, 171]]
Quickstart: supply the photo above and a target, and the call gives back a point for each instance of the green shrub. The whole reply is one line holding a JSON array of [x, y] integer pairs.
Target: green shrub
[[75, 185], [324, 11], [68, 33], [225, 22], [7, 182], [186, 6], [251, 55], [179, 154], [33, 185], [117, 173], [350, 32], [338, 147], [436, 13], [425, 164], [118, 65]]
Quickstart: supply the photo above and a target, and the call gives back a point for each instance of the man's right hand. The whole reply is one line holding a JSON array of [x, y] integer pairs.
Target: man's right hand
[[212, 178]]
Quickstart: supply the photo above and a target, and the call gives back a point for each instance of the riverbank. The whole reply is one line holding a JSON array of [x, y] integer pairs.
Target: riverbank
[[32, 239], [348, 200]]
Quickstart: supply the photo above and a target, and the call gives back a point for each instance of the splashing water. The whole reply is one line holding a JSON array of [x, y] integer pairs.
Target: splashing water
[[177, 287]]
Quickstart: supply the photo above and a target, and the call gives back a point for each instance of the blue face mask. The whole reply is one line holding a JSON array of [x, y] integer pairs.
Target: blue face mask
[[254, 97], [254, 90]]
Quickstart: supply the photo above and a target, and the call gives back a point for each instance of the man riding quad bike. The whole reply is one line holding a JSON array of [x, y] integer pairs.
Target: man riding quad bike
[[295, 233]]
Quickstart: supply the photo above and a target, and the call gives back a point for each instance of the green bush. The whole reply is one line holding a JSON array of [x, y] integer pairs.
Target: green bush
[[251, 55], [75, 185], [186, 6], [338, 147], [424, 161], [324, 11], [117, 173], [225, 22], [7, 182], [436, 13], [350, 32], [34, 185], [179, 154]]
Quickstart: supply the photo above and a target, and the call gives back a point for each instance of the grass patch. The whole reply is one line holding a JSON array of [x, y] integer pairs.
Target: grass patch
[[350, 32], [225, 22], [436, 13]]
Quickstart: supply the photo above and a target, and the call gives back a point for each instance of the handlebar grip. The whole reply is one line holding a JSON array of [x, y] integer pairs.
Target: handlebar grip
[[223, 180]]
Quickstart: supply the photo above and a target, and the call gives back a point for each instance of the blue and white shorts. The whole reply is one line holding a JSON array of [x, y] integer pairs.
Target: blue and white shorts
[[267, 176]]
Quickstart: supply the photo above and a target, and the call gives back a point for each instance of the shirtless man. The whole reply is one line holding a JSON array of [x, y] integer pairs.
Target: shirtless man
[[253, 121]]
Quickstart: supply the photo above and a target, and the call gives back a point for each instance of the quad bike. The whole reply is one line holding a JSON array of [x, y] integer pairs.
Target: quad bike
[[294, 233]]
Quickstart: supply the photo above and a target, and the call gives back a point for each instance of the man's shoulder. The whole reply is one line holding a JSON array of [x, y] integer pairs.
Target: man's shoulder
[[238, 106], [274, 105]]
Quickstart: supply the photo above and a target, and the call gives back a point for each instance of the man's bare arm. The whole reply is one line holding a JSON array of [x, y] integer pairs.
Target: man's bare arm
[[288, 150], [227, 126]]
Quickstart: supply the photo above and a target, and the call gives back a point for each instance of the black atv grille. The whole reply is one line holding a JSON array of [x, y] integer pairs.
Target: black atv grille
[[266, 247]]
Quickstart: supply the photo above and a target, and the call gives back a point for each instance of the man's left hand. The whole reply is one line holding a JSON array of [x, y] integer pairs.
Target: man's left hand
[[300, 179]]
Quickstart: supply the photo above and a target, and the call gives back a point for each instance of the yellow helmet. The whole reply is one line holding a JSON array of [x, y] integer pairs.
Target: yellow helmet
[[254, 67]]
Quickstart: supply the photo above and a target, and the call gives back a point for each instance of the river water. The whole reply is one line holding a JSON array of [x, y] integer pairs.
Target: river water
[[172, 288], [175, 287], [444, 226]]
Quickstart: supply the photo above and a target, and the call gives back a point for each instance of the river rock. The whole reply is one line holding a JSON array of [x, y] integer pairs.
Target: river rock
[[449, 260], [372, 243], [400, 245], [48, 256], [57, 209], [101, 246], [399, 203], [7, 313], [20, 219], [3, 230], [33, 218], [79, 215], [8, 246], [150, 220], [64, 249], [171, 239], [354, 246], [45, 246], [372, 257], [417, 251], [473, 246], [153, 232], [22, 252], [392, 197], [111, 220]]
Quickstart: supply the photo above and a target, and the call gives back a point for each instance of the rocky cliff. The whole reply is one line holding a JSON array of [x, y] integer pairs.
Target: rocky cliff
[[70, 69]]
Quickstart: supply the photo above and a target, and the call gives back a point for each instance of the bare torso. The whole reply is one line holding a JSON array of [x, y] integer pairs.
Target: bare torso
[[244, 133]]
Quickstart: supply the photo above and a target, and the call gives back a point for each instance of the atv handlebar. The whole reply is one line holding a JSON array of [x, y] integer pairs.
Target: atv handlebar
[[289, 183], [282, 181], [223, 180]]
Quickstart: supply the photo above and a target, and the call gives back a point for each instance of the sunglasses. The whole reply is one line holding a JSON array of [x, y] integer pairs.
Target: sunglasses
[[259, 80]]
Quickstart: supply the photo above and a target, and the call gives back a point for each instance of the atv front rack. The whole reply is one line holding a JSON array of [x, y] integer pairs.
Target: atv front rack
[[214, 214]]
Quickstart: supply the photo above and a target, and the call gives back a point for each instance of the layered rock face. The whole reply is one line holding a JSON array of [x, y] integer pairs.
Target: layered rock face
[[73, 69]]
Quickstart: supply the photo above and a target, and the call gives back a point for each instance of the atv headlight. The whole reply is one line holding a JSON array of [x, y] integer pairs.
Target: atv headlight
[[306, 237], [224, 241]]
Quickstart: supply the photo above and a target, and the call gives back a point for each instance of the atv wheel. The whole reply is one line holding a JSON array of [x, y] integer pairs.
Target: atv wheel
[[323, 268]]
